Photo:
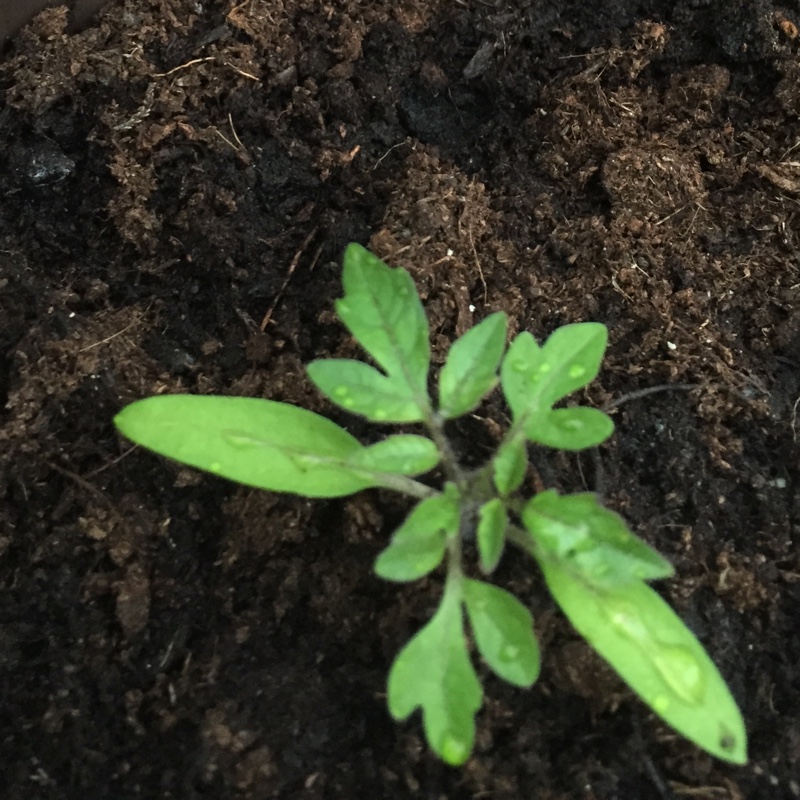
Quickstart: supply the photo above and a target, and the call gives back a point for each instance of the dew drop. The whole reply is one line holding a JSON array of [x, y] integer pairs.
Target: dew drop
[[378, 413], [519, 366], [624, 619], [682, 672], [577, 371], [453, 749], [545, 368], [341, 391], [572, 424], [660, 704], [215, 466], [509, 652], [347, 402]]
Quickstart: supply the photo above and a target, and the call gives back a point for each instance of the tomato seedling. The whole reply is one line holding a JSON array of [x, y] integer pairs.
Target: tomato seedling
[[595, 568]]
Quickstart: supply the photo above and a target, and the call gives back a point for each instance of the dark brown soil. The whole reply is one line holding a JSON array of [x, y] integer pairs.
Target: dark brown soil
[[177, 185]]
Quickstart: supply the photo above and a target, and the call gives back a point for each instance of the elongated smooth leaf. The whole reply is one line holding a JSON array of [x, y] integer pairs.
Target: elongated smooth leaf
[[509, 466], [418, 545], [470, 371], [534, 377], [492, 524], [519, 374], [362, 389], [433, 672], [591, 541], [503, 630], [643, 639], [260, 443], [382, 309], [402, 454], [570, 428]]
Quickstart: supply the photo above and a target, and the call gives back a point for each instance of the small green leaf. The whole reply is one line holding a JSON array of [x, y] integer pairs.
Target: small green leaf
[[433, 672], [402, 454], [509, 466], [575, 352], [382, 309], [503, 630], [418, 545], [362, 389], [519, 374], [492, 524], [591, 541], [534, 377], [470, 372], [643, 639], [260, 443], [570, 428]]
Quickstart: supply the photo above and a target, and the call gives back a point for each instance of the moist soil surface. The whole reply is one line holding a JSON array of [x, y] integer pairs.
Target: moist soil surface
[[178, 183]]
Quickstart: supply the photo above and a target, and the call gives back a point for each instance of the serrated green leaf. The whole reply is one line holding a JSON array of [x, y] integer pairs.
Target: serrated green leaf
[[570, 428], [433, 672], [509, 466], [503, 630], [534, 378], [592, 542], [382, 309], [260, 443], [651, 649], [418, 545], [402, 454], [491, 534], [470, 371], [362, 389]]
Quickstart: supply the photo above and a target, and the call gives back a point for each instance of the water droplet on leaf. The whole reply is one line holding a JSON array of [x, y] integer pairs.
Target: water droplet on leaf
[[676, 664], [545, 368], [509, 652], [379, 413], [454, 751], [681, 671], [572, 424], [660, 704], [215, 466], [341, 391], [577, 371]]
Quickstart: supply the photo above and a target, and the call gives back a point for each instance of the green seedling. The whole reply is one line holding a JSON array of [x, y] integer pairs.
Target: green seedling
[[594, 566]]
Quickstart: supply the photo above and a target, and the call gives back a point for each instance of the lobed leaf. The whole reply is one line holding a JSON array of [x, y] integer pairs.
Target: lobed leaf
[[261, 443], [433, 672], [382, 309], [470, 371], [651, 649], [503, 630], [362, 389], [590, 541], [534, 378]]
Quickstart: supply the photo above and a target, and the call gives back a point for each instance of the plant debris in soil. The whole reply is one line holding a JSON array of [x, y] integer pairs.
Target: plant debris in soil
[[178, 182]]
